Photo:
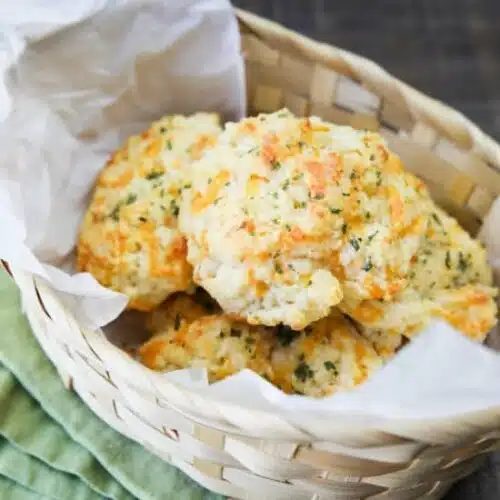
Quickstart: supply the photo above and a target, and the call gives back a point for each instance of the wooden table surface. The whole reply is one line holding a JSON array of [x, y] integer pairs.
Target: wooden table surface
[[449, 49]]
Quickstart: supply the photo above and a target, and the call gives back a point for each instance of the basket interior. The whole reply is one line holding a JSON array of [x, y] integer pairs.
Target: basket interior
[[281, 73]]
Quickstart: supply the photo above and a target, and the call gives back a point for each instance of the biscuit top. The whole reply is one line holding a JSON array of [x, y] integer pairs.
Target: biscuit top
[[289, 215], [129, 238]]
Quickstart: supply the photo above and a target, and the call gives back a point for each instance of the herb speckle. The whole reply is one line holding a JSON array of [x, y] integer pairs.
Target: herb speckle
[[174, 208], [368, 265], [436, 218], [286, 335], [447, 260], [462, 262], [177, 322], [131, 198], [154, 175], [354, 243], [331, 367], [115, 213], [303, 372]]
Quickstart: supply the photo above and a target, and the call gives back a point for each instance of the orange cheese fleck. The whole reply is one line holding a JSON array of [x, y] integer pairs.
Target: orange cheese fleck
[[107, 180], [201, 202], [396, 204], [393, 164], [336, 164], [154, 147], [367, 312], [317, 175], [253, 184]]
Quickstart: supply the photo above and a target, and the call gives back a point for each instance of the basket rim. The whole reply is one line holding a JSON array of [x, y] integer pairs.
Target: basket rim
[[429, 109], [326, 52]]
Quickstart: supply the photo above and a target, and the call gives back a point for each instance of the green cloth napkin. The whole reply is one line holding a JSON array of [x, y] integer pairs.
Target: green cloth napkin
[[53, 447], [37, 476], [57, 441], [13, 491]]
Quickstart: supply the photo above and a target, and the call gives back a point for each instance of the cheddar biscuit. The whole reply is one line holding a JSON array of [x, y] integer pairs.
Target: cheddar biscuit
[[287, 216], [449, 278], [327, 356], [129, 239]]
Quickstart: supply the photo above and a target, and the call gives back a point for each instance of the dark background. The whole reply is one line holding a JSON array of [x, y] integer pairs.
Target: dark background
[[449, 49]]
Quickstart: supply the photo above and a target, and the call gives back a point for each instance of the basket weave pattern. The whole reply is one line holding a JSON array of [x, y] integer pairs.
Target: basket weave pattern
[[261, 455]]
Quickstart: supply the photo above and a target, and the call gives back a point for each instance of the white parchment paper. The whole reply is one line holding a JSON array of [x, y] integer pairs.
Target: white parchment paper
[[74, 82]]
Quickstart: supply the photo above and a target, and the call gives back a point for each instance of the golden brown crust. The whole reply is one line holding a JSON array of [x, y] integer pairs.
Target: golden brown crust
[[129, 240]]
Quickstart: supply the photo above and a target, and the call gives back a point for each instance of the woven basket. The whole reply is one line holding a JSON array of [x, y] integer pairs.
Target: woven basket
[[244, 454]]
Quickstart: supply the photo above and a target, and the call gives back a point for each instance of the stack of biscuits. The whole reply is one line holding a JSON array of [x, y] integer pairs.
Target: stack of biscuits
[[296, 248]]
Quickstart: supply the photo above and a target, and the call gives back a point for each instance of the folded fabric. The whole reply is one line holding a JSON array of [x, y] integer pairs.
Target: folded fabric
[[38, 476], [34, 434], [141, 473], [13, 491]]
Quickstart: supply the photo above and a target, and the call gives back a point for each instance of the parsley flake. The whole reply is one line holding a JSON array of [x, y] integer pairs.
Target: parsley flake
[[462, 262], [303, 372], [331, 367], [299, 204], [368, 265], [354, 243], [154, 175], [286, 335], [177, 322], [115, 213], [447, 260], [131, 198], [174, 208], [371, 236], [436, 218]]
